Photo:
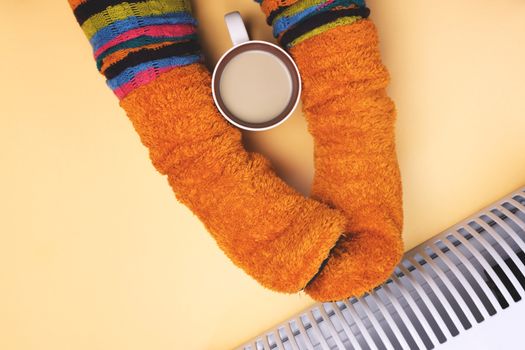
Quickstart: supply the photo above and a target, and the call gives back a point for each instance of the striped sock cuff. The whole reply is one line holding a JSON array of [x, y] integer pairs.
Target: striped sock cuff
[[296, 21], [270, 6], [134, 41]]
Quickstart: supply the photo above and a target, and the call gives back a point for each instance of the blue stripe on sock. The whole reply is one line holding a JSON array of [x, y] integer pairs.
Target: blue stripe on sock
[[284, 23]]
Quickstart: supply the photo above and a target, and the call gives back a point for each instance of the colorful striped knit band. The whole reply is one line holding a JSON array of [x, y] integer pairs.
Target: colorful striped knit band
[[304, 10], [295, 21], [134, 41], [289, 37]]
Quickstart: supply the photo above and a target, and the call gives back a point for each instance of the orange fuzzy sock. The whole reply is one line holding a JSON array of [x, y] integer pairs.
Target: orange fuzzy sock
[[265, 227], [352, 121], [276, 235]]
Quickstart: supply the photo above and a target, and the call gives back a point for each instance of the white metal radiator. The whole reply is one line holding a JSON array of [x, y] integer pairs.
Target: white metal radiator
[[464, 278]]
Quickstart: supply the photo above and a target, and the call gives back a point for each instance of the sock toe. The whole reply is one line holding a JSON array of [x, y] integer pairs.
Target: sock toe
[[359, 263]]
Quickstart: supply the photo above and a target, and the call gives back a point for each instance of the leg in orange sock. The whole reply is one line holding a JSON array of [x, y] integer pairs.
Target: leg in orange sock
[[352, 121], [149, 54]]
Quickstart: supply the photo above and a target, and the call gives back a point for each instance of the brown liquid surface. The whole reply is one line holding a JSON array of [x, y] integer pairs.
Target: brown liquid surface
[[256, 86]]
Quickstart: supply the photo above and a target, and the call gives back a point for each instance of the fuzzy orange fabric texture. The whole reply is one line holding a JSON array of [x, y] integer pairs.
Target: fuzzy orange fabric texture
[[352, 121], [282, 239], [273, 233], [265, 227]]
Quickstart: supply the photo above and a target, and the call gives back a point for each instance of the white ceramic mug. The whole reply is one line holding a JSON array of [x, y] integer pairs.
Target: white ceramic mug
[[278, 59]]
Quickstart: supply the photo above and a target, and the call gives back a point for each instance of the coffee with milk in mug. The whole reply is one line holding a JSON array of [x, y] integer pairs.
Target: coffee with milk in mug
[[256, 86]]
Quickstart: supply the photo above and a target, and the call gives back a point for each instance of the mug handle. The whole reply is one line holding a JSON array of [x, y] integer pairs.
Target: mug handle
[[236, 28]]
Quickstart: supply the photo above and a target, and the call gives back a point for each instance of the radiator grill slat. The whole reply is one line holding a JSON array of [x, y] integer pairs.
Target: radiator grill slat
[[360, 325], [451, 283], [476, 299], [349, 334], [429, 329], [278, 339], [487, 269], [333, 331], [390, 321], [305, 337], [405, 319], [475, 274], [493, 254], [290, 337], [425, 300], [386, 344], [453, 290]]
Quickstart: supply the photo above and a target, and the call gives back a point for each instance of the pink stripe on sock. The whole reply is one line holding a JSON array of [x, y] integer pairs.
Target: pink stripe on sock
[[140, 79], [161, 30], [326, 3]]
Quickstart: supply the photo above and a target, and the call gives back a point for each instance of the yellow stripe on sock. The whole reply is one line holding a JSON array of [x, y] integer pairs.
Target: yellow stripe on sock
[[298, 7], [339, 22], [125, 10]]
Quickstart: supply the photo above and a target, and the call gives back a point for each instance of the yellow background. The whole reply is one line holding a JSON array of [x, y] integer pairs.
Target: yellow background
[[95, 253]]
